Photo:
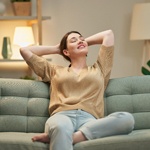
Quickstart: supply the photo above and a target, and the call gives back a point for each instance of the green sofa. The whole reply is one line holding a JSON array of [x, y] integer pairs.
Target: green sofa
[[24, 110]]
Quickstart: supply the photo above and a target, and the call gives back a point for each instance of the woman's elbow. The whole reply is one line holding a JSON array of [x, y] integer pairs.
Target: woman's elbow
[[21, 50], [25, 53], [110, 34], [109, 38]]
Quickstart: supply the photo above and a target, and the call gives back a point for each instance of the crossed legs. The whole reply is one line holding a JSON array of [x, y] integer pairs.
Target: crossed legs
[[44, 137], [59, 130]]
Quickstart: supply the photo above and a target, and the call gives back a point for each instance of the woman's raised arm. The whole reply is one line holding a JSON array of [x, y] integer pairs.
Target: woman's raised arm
[[105, 37], [27, 52]]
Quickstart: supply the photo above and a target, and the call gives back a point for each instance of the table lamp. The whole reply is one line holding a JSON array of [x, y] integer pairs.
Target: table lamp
[[140, 30], [23, 36]]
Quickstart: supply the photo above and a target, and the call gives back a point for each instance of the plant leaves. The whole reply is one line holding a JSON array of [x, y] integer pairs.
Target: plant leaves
[[145, 71]]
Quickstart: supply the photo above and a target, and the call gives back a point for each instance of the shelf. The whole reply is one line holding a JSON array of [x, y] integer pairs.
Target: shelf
[[11, 60], [17, 60], [18, 64], [19, 18]]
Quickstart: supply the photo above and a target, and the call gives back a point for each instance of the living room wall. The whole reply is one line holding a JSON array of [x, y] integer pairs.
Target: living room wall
[[90, 17]]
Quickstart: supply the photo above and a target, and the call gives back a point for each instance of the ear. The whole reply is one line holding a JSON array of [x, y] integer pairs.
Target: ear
[[66, 52]]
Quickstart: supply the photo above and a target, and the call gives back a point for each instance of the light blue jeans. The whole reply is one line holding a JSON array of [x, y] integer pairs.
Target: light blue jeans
[[61, 126]]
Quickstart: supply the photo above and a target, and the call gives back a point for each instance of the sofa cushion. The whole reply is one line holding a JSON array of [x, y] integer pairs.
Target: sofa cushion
[[20, 141], [137, 140], [131, 94], [23, 105]]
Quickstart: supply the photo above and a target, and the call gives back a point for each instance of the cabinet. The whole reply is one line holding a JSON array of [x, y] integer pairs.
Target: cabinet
[[7, 65]]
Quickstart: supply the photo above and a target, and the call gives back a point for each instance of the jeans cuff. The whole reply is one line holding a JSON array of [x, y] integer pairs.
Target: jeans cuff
[[87, 133]]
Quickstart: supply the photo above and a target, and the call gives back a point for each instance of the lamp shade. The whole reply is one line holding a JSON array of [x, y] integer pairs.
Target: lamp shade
[[140, 24], [23, 36]]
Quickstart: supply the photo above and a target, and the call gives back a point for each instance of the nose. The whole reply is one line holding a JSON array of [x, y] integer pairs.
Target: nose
[[80, 41]]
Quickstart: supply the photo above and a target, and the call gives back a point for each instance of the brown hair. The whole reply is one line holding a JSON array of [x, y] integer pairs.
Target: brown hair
[[63, 44]]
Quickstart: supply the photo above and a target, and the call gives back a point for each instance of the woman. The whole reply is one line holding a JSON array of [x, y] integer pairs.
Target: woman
[[76, 105]]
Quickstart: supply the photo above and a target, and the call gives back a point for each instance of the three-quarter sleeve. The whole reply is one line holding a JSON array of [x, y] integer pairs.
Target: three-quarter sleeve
[[41, 67], [105, 61]]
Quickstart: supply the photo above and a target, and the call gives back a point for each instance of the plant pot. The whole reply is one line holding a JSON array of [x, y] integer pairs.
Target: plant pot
[[22, 8]]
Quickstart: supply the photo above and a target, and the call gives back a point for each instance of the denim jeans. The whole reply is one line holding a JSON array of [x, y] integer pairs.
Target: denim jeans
[[61, 126]]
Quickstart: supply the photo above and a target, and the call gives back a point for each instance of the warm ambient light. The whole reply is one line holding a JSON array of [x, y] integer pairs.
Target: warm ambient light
[[140, 25], [23, 36], [140, 30]]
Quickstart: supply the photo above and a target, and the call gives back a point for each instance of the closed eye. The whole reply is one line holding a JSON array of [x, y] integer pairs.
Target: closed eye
[[81, 38], [73, 39]]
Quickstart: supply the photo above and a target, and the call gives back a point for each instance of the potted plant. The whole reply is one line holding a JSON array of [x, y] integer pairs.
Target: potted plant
[[21, 7], [144, 70]]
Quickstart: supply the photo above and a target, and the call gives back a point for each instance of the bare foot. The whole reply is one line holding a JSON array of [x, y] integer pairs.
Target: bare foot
[[41, 138]]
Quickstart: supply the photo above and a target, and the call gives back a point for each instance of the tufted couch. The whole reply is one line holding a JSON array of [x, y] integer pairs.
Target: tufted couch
[[24, 110]]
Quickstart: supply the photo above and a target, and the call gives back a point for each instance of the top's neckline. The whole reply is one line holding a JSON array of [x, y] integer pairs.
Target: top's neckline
[[77, 72]]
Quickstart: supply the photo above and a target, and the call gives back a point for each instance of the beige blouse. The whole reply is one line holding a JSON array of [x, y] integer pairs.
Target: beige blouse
[[69, 91]]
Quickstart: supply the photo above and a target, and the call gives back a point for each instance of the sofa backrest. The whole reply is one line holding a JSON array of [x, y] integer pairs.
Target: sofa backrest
[[131, 94], [23, 105]]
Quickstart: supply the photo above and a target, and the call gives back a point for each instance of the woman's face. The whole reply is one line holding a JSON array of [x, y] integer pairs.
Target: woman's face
[[76, 45]]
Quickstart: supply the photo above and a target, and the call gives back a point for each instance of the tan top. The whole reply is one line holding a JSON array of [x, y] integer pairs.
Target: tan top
[[69, 91]]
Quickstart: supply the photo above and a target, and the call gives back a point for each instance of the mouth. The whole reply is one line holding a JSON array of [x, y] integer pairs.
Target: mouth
[[81, 46]]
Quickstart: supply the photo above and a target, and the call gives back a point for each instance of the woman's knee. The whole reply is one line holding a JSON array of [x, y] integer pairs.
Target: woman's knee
[[57, 125], [57, 128], [129, 121], [126, 119]]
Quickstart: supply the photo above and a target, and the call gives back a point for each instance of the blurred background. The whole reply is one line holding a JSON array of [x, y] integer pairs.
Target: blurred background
[[86, 16]]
